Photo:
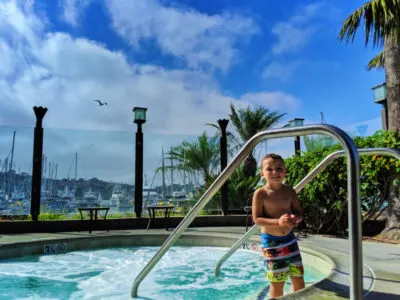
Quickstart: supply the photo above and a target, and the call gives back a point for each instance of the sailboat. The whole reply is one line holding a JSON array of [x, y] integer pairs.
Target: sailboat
[[150, 195]]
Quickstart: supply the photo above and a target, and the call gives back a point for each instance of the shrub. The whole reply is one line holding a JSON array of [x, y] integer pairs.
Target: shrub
[[324, 199]]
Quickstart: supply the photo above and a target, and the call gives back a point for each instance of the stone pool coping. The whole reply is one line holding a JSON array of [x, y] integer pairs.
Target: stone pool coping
[[381, 272]]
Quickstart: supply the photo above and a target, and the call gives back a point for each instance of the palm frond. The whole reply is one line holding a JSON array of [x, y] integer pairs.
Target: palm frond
[[249, 121], [236, 121], [214, 125], [381, 19], [201, 155], [378, 62]]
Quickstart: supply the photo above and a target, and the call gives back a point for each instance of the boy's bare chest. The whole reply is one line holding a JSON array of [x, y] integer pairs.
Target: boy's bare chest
[[277, 206]]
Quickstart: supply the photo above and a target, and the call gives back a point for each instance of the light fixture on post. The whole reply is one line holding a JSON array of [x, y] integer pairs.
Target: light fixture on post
[[380, 92], [140, 118], [295, 123]]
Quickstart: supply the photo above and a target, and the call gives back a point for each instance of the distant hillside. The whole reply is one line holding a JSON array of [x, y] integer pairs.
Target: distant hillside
[[23, 182]]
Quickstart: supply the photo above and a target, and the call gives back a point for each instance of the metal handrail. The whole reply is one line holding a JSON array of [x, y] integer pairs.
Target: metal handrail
[[310, 176], [353, 186]]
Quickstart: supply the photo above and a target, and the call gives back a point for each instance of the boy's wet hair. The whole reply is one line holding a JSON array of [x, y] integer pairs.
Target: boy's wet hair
[[274, 157]]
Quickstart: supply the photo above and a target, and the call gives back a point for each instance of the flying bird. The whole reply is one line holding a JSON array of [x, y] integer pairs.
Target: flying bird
[[101, 103]]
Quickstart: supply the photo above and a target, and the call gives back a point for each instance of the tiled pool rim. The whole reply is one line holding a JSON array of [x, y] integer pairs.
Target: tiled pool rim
[[318, 260]]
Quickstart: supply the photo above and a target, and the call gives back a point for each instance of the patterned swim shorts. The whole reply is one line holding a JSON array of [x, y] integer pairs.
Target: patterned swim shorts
[[281, 257]]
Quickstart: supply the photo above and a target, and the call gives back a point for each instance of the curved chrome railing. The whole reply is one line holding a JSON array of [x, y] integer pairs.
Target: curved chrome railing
[[353, 187], [310, 176]]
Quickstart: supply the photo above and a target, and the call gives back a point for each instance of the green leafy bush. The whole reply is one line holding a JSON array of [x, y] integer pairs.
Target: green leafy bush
[[324, 199], [378, 173]]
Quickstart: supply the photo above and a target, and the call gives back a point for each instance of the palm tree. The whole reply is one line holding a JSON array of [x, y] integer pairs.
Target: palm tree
[[202, 156], [247, 123], [382, 24]]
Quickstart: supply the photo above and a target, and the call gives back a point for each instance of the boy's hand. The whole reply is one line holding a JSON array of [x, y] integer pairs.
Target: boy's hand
[[293, 221], [286, 220]]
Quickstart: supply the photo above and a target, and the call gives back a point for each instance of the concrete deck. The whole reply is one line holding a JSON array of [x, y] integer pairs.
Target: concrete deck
[[381, 261]]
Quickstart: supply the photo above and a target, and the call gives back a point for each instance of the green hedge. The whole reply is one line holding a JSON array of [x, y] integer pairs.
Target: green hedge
[[324, 199]]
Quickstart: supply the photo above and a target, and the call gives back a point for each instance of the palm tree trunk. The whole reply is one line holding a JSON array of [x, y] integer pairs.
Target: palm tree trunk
[[392, 67], [392, 230], [250, 166]]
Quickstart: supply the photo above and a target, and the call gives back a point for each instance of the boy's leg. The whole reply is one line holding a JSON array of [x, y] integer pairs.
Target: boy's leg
[[297, 283], [278, 252], [276, 289], [296, 270]]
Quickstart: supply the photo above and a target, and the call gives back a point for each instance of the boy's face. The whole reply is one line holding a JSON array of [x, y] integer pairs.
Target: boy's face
[[273, 170]]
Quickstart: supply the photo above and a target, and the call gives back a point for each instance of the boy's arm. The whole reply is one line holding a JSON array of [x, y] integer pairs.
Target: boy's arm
[[296, 208], [258, 211]]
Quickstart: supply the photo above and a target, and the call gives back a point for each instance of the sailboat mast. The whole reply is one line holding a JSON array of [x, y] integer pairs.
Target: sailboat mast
[[184, 171], [44, 166], [11, 164], [163, 175], [12, 152], [172, 173], [6, 176], [50, 181], [76, 171]]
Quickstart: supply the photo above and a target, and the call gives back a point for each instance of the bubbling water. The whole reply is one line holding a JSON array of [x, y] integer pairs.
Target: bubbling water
[[182, 273]]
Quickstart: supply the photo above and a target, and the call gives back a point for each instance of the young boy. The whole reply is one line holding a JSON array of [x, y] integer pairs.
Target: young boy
[[277, 210]]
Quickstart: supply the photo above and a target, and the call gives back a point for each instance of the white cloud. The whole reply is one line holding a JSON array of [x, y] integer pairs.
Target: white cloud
[[290, 38], [65, 74], [273, 101], [296, 32], [18, 23], [281, 70], [7, 62], [201, 40], [69, 73], [72, 10]]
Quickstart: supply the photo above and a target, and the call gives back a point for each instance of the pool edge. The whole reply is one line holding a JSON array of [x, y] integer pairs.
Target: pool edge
[[82, 241]]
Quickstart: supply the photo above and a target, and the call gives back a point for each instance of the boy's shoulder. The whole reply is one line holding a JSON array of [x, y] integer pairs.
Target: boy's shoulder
[[263, 191], [288, 188], [260, 191]]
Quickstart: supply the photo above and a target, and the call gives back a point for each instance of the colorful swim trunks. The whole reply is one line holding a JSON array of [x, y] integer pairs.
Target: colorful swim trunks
[[282, 257]]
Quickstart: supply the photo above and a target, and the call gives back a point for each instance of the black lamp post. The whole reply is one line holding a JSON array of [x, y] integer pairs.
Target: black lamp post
[[140, 118], [294, 123], [37, 162], [223, 123]]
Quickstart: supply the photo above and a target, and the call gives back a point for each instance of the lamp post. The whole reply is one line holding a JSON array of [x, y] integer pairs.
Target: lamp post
[[380, 92], [140, 118], [37, 162], [223, 123], [294, 123]]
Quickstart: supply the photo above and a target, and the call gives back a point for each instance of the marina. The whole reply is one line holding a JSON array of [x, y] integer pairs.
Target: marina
[[66, 195]]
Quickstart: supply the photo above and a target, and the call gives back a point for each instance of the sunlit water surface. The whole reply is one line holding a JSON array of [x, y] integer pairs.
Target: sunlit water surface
[[183, 273]]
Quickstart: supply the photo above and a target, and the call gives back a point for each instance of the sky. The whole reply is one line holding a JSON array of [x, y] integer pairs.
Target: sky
[[184, 60]]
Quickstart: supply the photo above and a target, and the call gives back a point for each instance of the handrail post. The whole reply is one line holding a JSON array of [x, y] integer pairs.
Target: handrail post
[[353, 170]]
